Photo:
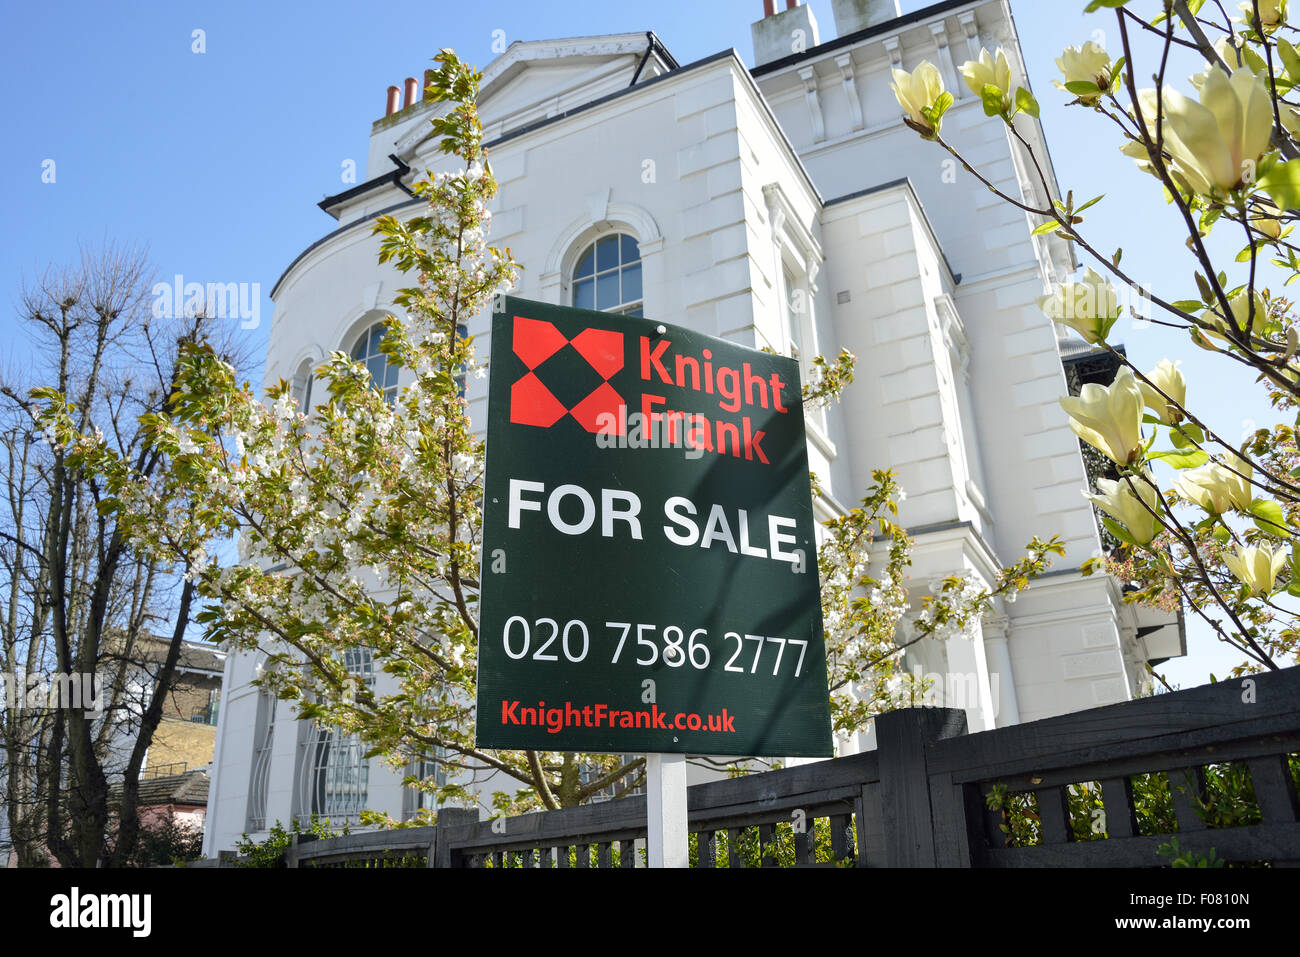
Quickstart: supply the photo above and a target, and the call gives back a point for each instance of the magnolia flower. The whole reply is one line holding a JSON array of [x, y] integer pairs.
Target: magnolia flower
[[1218, 488], [1168, 380], [1090, 307], [1215, 145], [1131, 501], [1266, 218], [1244, 307], [917, 93], [1089, 63], [1137, 151], [1272, 13], [989, 71], [1256, 567], [1109, 418]]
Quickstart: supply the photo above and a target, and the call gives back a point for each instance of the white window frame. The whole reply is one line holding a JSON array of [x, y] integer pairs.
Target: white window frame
[[625, 307], [796, 250]]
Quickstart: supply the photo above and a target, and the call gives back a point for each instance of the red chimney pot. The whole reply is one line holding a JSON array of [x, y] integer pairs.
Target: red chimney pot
[[412, 91], [394, 95]]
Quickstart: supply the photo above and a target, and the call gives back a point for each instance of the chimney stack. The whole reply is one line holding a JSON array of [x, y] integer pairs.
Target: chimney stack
[[854, 15], [779, 35]]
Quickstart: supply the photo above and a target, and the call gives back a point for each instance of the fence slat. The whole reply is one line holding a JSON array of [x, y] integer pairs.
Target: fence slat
[[707, 849], [871, 827], [766, 848], [1117, 802], [805, 844], [1274, 789], [842, 837], [1053, 816], [733, 847], [604, 859], [1186, 787]]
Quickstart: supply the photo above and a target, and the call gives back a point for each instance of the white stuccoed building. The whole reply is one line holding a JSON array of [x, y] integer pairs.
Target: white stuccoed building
[[715, 195]]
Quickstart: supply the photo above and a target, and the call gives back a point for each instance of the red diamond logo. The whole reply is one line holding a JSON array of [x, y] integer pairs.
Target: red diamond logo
[[593, 413], [536, 341], [602, 348], [531, 403]]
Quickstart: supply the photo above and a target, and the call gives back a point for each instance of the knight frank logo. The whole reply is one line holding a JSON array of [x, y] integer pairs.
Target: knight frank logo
[[569, 366]]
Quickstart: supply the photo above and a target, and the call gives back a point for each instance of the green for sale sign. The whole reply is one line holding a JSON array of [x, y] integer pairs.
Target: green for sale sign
[[649, 556]]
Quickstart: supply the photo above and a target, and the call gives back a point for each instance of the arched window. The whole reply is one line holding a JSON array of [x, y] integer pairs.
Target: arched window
[[302, 385], [335, 772], [608, 276], [366, 349]]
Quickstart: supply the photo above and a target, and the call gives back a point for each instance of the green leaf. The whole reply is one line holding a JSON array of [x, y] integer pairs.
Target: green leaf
[[1206, 290], [1282, 183], [1188, 305], [1050, 226], [1182, 460], [1025, 101], [1090, 202], [941, 104], [1118, 530], [1185, 434], [1290, 59], [1083, 87], [993, 100], [1269, 517], [1222, 535], [1098, 4]]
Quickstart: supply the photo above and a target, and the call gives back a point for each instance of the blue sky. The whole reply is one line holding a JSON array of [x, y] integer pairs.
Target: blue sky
[[215, 160]]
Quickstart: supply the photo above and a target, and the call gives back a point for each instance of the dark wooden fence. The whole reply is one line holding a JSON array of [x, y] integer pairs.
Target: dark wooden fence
[[1213, 768]]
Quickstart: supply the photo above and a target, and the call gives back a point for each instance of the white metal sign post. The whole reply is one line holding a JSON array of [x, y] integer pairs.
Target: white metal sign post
[[666, 833]]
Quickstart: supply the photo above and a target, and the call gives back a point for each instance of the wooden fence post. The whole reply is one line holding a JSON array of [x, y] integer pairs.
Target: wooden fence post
[[450, 820], [909, 819]]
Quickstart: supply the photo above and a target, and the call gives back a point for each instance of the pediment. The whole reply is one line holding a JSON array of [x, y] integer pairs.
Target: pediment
[[539, 78]]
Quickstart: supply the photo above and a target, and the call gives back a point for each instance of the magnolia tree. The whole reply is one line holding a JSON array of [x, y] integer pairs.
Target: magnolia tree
[[1215, 525], [359, 520]]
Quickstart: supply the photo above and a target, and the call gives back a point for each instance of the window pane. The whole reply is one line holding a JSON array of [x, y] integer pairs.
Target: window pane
[[792, 303], [390, 376], [632, 283], [376, 366], [376, 337], [631, 253], [359, 350], [607, 291], [584, 294], [607, 253], [587, 264]]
